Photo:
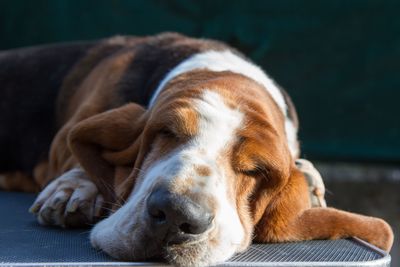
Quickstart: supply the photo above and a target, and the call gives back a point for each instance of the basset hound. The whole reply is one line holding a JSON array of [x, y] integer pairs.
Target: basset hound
[[173, 147]]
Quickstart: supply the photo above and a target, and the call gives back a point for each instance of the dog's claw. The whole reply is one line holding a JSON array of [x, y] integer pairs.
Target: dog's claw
[[34, 208], [73, 205], [98, 206]]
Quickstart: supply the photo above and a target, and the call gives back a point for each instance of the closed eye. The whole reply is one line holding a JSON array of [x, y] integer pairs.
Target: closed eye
[[250, 172], [167, 133], [258, 171]]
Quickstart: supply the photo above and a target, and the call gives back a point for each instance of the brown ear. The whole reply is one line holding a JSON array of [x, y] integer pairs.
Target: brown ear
[[267, 152], [273, 154], [274, 212], [108, 142]]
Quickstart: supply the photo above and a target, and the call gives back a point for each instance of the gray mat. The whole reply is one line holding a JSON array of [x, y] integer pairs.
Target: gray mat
[[23, 241]]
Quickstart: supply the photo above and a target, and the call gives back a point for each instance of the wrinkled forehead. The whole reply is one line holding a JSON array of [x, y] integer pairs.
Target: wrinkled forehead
[[208, 112], [215, 114]]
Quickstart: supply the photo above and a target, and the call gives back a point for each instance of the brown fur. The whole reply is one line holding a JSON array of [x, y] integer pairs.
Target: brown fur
[[111, 141], [18, 181], [276, 208]]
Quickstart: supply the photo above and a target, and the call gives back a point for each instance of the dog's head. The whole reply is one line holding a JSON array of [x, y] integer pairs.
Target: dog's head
[[192, 175]]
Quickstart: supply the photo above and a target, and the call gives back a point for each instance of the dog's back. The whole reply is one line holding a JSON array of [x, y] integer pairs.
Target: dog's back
[[30, 79], [37, 85]]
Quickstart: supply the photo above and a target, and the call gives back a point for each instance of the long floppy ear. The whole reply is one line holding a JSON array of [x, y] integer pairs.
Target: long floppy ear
[[108, 142], [268, 154]]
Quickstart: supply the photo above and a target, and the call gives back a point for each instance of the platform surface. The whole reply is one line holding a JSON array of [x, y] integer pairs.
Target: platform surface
[[25, 243]]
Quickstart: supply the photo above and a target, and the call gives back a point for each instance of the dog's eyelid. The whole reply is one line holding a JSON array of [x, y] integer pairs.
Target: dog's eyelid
[[257, 170], [167, 133], [252, 172]]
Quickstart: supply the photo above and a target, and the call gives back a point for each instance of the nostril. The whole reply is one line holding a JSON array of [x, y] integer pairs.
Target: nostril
[[186, 228], [197, 225], [157, 208]]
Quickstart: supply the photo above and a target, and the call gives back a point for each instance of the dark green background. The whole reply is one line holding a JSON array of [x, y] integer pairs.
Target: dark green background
[[339, 60]]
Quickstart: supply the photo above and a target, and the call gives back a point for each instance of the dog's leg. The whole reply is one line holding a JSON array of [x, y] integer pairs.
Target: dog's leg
[[25, 182], [329, 223], [60, 156], [69, 197], [289, 217], [18, 181], [70, 200]]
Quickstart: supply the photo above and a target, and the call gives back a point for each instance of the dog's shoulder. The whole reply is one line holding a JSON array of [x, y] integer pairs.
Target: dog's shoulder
[[139, 63]]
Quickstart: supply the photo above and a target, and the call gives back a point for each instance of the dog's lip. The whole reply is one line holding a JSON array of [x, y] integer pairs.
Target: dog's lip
[[185, 254], [155, 248], [182, 239]]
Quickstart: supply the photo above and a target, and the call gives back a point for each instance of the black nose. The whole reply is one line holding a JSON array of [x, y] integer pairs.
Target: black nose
[[177, 216]]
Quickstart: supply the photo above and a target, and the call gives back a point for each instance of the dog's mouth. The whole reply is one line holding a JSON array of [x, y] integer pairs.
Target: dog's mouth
[[137, 239], [171, 227], [193, 251], [180, 251]]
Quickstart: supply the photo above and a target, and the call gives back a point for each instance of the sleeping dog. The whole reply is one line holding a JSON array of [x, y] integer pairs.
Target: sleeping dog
[[175, 147]]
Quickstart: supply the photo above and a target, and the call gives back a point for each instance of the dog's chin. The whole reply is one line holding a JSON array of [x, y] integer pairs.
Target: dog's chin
[[192, 254], [177, 255], [142, 245], [119, 245], [186, 254]]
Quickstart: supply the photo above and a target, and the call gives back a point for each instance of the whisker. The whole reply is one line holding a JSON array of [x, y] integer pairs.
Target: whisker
[[111, 191], [107, 209]]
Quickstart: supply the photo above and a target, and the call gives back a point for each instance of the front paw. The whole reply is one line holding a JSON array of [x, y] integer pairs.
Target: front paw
[[71, 200]]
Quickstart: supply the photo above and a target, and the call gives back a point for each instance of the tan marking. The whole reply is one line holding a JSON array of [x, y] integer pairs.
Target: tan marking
[[202, 170], [182, 186]]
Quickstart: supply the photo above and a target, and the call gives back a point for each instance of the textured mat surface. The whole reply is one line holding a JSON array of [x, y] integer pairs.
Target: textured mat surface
[[23, 241]]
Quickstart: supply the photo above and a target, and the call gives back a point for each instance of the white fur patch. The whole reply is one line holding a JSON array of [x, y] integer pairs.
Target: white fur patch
[[228, 61], [216, 132], [291, 136], [224, 61]]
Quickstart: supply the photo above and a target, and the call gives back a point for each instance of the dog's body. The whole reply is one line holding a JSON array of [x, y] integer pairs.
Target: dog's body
[[196, 141]]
